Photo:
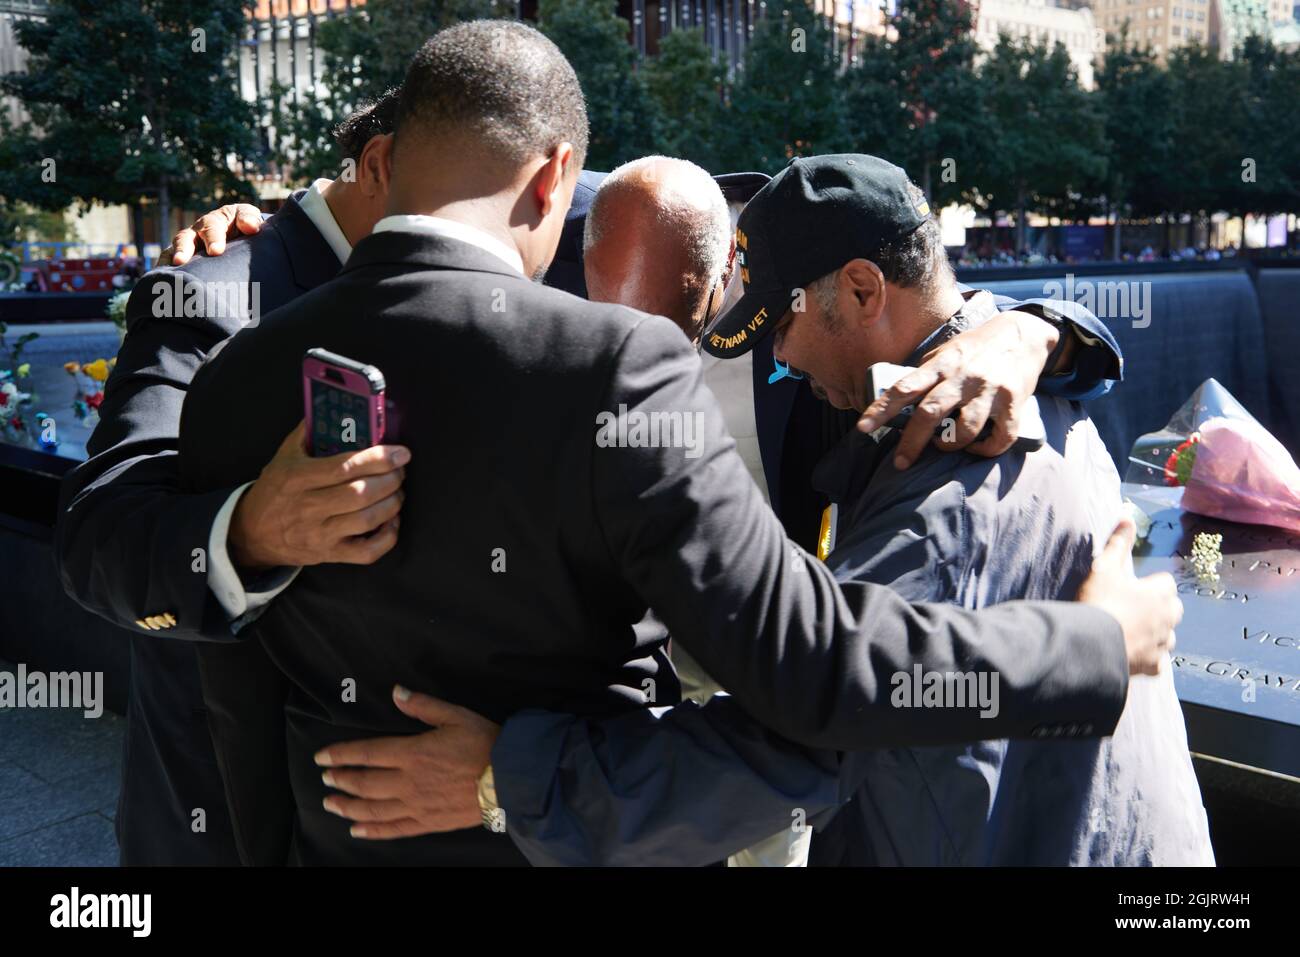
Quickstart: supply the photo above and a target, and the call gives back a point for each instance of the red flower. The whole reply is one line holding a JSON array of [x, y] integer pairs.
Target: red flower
[[4, 398], [94, 400], [1178, 467]]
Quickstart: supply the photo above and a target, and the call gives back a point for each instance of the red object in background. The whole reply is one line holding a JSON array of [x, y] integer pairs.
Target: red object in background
[[94, 401], [79, 275]]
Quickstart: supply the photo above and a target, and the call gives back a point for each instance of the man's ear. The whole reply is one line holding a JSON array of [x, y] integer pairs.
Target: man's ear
[[866, 284], [549, 181], [375, 167]]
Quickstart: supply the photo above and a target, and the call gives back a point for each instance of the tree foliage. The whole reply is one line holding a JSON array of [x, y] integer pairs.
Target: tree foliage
[[687, 90], [595, 39], [1048, 140], [1009, 131], [129, 99], [787, 101], [363, 54]]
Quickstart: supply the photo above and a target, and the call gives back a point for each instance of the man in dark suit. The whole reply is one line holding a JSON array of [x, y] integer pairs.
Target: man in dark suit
[[264, 830], [689, 785], [176, 568], [545, 519]]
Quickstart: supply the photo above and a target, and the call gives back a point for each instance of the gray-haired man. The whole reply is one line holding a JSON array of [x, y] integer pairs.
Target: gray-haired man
[[690, 784]]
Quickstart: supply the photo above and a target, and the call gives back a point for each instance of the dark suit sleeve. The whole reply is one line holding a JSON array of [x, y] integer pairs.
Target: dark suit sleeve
[[808, 658], [689, 785], [127, 534], [684, 786]]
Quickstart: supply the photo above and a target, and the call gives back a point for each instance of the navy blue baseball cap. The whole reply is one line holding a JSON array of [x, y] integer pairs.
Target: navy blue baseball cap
[[810, 219]]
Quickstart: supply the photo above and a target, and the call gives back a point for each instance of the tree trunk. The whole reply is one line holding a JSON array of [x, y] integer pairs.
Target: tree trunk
[[164, 213], [1020, 220], [1117, 249], [137, 228]]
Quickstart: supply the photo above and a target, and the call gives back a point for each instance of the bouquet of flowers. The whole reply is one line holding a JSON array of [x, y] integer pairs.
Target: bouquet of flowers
[[14, 426], [1229, 466], [116, 311], [89, 384]]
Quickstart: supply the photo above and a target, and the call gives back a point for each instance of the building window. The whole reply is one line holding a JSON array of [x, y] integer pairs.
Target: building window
[[1177, 31]]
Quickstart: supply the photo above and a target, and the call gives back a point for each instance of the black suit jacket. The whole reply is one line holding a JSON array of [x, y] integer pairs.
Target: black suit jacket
[[127, 533], [502, 386]]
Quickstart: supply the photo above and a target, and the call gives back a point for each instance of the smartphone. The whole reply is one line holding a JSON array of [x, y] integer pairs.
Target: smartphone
[[882, 375], [343, 403]]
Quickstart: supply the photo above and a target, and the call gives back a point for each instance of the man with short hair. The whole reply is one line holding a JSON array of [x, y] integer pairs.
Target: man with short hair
[[174, 567], [526, 560], [659, 238], [688, 785]]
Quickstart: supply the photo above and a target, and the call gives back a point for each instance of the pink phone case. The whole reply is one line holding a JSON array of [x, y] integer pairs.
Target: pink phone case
[[346, 375]]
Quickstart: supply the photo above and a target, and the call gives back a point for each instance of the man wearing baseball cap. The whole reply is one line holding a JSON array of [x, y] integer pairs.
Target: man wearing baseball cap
[[692, 784], [843, 267]]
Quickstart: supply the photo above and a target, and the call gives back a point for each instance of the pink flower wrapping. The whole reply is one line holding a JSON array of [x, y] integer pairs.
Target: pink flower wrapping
[[1243, 474]]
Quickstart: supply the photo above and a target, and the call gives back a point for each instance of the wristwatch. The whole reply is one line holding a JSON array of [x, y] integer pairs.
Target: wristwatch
[[494, 816]]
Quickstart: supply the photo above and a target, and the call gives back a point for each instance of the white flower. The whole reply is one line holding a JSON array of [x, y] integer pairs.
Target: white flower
[[12, 400], [1140, 518]]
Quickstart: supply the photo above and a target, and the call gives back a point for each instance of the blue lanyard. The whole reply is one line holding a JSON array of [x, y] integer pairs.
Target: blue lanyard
[[782, 372]]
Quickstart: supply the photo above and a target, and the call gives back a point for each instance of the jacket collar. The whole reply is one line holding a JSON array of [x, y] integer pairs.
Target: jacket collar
[[423, 250], [310, 257]]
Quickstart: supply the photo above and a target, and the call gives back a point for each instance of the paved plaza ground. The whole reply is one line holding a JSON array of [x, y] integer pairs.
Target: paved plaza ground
[[58, 786]]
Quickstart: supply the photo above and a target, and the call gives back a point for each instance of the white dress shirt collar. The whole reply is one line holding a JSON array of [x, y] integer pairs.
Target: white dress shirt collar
[[451, 229], [318, 211]]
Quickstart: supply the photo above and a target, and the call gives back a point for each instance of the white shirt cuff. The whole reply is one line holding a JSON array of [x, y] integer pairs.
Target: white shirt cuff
[[224, 581]]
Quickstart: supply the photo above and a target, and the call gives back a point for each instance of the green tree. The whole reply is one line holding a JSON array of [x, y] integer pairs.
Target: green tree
[[20, 222], [130, 100], [363, 54], [940, 95], [687, 90], [1136, 98], [1210, 134], [788, 100], [620, 112], [877, 118], [1048, 149], [1271, 90]]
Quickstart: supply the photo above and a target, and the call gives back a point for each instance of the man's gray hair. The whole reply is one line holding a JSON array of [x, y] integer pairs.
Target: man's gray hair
[[705, 229]]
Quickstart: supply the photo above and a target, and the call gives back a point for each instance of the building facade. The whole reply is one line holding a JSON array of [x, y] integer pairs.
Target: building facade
[[281, 44], [1159, 25], [1040, 21], [13, 58]]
